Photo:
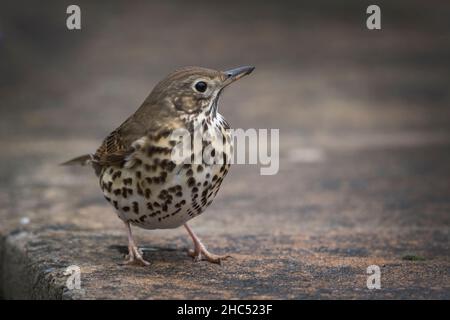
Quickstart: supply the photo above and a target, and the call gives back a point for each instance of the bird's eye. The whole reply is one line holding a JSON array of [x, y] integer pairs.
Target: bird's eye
[[201, 86]]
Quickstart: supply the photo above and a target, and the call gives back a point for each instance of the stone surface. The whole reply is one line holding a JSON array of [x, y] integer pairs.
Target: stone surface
[[364, 173]]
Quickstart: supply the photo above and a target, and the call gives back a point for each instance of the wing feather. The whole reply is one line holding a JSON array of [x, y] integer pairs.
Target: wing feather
[[118, 144]]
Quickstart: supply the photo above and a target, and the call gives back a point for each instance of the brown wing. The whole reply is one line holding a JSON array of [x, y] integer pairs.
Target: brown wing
[[117, 145], [149, 118]]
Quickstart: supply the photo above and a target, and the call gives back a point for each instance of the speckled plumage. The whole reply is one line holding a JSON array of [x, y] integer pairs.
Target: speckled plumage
[[153, 192], [135, 165]]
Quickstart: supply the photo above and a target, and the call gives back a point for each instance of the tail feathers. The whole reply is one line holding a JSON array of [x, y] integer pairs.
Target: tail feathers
[[81, 160]]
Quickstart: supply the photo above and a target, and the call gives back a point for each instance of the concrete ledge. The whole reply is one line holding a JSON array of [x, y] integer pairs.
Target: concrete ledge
[[364, 174], [263, 267], [308, 240]]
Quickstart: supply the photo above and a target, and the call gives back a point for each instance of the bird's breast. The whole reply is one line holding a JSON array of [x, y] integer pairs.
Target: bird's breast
[[154, 191]]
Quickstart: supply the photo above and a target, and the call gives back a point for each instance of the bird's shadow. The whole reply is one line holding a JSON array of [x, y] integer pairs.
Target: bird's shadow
[[156, 253]]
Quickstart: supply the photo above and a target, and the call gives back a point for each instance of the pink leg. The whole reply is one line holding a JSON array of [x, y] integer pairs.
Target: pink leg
[[200, 253], [134, 254]]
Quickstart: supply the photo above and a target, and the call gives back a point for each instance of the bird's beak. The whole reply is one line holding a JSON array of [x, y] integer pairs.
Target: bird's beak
[[235, 74]]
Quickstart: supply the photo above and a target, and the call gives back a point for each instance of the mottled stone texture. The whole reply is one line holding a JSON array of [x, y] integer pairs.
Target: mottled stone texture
[[364, 174]]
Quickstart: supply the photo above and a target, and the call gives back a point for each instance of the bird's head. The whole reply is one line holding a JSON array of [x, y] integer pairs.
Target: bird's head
[[193, 90]]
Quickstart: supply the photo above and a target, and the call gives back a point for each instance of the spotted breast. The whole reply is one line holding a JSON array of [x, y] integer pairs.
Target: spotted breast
[[157, 178], [152, 191]]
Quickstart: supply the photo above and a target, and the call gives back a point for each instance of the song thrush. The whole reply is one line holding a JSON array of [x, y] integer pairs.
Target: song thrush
[[135, 164]]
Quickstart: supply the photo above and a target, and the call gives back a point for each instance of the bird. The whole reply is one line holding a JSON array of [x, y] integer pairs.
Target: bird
[[140, 176]]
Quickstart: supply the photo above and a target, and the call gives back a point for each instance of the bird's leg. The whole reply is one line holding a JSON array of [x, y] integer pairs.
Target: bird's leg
[[200, 253], [134, 253]]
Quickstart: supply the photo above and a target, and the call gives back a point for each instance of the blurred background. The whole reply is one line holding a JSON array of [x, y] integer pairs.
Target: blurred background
[[364, 116], [320, 70]]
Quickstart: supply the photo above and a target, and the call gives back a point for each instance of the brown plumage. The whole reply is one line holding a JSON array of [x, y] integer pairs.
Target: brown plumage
[[137, 174]]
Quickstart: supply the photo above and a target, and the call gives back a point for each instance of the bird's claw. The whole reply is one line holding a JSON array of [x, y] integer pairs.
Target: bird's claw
[[135, 257], [199, 255]]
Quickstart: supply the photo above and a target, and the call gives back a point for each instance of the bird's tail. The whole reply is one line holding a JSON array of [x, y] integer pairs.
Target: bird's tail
[[81, 160]]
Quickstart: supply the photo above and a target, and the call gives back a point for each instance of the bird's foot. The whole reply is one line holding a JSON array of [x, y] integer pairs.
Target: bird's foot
[[200, 254], [135, 257]]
